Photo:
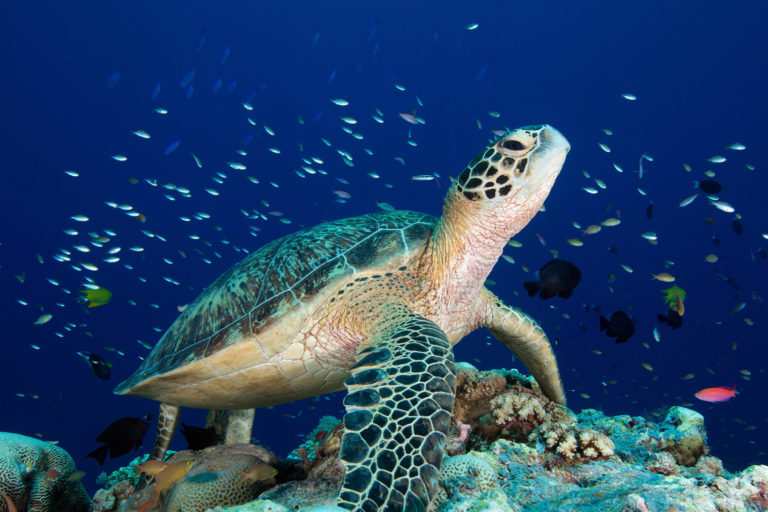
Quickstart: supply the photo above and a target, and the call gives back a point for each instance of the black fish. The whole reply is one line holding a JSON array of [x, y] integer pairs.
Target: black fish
[[620, 326], [673, 319], [99, 367], [649, 210], [199, 438], [716, 240], [558, 277], [738, 228], [613, 249], [119, 438], [710, 187]]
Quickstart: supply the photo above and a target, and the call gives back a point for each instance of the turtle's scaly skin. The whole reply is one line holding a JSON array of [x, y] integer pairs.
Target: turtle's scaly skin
[[408, 370], [376, 301]]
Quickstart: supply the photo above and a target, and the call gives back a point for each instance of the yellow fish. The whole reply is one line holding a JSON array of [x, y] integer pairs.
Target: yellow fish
[[96, 297], [259, 472]]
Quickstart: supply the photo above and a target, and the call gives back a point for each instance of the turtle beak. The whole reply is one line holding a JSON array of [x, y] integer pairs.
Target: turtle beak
[[547, 159], [554, 141]]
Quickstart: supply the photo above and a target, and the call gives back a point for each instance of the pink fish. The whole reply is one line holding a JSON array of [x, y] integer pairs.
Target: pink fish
[[342, 194], [718, 394], [409, 118]]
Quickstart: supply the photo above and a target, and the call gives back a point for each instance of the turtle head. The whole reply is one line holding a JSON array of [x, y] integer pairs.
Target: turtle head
[[512, 177]]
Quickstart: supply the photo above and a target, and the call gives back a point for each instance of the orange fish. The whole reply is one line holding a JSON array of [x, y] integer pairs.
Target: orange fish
[[151, 467], [164, 480], [679, 304], [718, 394], [258, 473], [52, 473], [148, 505], [11, 506]]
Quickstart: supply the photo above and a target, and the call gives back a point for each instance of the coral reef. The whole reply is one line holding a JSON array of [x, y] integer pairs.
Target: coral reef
[[513, 450], [221, 475], [38, 476], [473, 476]]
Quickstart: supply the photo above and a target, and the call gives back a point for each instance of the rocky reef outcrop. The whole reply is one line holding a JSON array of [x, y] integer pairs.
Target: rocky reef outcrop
[[511, 449]]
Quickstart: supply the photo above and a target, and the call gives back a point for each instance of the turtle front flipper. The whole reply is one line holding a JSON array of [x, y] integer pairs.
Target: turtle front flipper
[[523, 335], [398, 412]]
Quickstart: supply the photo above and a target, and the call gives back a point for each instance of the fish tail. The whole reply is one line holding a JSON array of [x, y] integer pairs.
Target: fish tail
[[8, 502], [532, 287], [662, 318], [100, 454], [603, 323]]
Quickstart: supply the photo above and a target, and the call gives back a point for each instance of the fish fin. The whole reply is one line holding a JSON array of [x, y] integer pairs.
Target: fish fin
[[9, 503], [547, 293], [532, 287], [120, 448], [603, 323], [99, 454], [566, 293]]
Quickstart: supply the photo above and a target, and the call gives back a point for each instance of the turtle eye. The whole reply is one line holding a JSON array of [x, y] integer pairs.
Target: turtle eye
[[513, 145]]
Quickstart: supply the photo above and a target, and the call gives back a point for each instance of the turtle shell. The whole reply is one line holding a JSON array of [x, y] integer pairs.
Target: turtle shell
[[245, 300]]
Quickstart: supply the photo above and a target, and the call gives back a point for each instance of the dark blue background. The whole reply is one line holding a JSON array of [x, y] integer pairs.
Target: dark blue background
[[697, 69]]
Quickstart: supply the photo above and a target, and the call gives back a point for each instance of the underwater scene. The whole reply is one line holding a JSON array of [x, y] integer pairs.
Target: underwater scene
[[242, 241]]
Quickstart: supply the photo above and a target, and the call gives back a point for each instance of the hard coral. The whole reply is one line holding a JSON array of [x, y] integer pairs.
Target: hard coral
[[498, 404], [467, 478], [474, 390], [109, 499], [683, 435], [218, 475], [574, 443], [324, 463], [662, 463], [33, 474], [520, 411]]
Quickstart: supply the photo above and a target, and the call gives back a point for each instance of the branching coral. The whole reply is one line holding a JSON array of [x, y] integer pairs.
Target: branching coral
[[520, 411], [574, 443], [474, 390]]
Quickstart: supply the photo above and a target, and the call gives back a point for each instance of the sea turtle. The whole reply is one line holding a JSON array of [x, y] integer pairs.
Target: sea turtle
[[373, 304]]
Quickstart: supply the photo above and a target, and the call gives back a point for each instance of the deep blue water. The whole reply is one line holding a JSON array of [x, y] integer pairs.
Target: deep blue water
[[78, 78]]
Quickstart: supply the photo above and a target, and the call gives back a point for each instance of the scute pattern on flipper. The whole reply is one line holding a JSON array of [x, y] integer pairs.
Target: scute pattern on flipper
[[398, 412], [282, 274]]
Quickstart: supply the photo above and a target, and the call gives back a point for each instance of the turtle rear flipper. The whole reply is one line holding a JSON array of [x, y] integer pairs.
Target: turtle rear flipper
[[398, 411], [167, 421]]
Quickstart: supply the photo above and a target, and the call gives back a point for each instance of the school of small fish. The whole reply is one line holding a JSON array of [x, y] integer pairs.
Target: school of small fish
[[123, 234]]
